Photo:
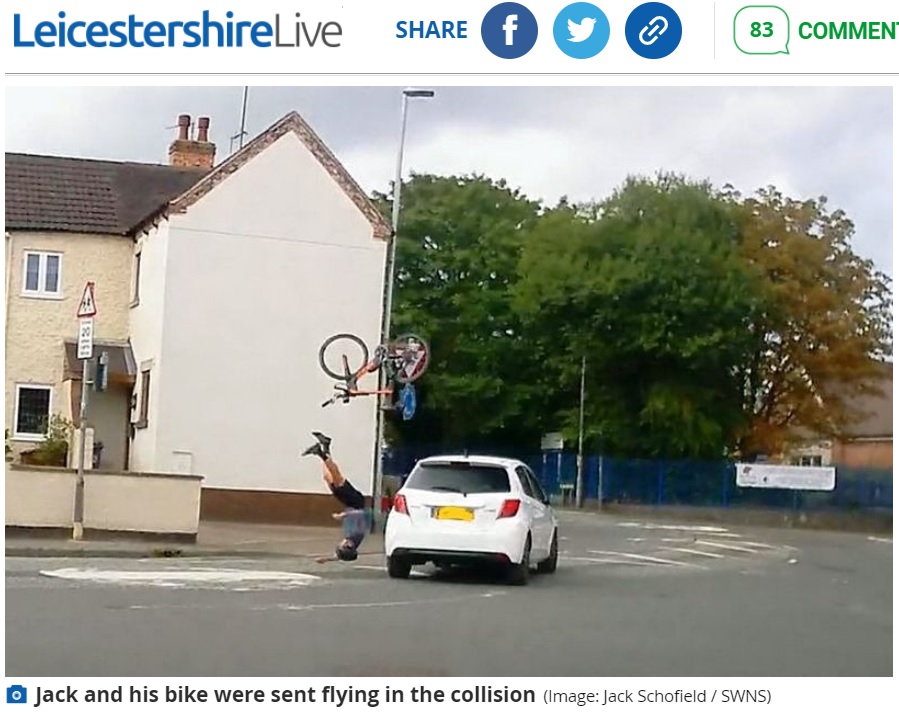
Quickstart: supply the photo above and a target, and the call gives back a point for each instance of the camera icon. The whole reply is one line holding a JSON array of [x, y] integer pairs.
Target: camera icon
[[16, 694]]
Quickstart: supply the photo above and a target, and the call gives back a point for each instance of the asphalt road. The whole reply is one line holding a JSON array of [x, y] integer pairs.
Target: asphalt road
[[627, 600]]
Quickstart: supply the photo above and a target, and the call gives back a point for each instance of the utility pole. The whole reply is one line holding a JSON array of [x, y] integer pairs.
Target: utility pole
[[579, 494], [377, 483]]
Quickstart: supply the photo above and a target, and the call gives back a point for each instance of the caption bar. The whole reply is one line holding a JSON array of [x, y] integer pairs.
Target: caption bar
[[339, 697]]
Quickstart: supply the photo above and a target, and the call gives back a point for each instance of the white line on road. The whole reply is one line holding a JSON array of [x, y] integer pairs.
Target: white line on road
[[685, 550], [176, 577], [674, 527], [882, 539], [759, 544], [592, 560], [376, 604], [652, 559], [730, 547]]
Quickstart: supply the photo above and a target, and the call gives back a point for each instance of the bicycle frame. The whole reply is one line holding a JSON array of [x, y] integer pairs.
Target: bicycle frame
[[351, 388]]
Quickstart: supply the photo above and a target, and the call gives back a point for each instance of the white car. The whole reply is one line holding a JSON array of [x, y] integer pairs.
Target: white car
[[464, 509]]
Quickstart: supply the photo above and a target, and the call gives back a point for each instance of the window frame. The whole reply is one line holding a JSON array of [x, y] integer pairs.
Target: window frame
[[135, 278], [143, 398], [41, 292], [30, 437]]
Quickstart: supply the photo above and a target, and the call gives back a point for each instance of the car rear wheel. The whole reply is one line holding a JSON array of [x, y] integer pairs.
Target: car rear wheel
[[398, 568], [520, 573], [550, 564]]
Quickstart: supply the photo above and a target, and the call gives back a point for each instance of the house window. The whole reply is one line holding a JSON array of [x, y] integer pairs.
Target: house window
[[144, 411], [43, 275], [32, 411], [810, 461], [135, 287]]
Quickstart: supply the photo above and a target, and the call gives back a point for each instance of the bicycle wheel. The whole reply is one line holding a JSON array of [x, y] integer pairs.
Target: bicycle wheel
[[410, 356], [333, 351]]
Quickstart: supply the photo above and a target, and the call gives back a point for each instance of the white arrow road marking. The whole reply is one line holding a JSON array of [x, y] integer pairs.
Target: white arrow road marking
[[652, 559], [182, 577]]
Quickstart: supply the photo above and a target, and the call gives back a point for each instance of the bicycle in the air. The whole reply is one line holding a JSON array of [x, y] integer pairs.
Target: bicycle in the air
[[403, 360]]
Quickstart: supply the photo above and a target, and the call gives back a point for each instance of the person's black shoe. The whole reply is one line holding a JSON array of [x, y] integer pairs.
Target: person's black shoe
[[314, 450], [324, 441]]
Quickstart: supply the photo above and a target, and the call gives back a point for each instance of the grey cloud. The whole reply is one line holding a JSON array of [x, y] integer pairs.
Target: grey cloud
[[835, 141]]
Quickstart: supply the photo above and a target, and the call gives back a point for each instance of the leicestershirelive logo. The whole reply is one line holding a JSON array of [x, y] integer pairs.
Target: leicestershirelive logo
[[205, 30]]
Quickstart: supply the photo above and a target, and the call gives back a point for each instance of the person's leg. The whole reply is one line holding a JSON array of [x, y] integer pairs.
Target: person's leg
[[332, 474]]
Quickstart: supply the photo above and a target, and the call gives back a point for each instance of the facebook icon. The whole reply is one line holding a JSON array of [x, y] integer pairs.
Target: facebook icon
[[509, 30]]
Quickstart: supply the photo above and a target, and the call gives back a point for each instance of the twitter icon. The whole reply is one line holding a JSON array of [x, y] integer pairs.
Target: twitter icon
[[581, 30]]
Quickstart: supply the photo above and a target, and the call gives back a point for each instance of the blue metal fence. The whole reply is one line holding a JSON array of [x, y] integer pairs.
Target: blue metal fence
[[684, 483]]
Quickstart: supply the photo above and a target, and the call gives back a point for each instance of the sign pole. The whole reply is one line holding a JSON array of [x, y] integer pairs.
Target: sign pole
[[579, 490], [87, 310], [78, 527]]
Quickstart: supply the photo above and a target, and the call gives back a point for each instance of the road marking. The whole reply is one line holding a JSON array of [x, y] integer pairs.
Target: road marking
[[678, 541], [591, 560], [759, 544], [693, 551], [290, 607], [881, 539], [674, 527], [730, 547], [653, 559], [176, 577], [636, 538]]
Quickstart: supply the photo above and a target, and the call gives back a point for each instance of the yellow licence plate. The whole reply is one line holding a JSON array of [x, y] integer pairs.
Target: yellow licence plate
[[460, 514]]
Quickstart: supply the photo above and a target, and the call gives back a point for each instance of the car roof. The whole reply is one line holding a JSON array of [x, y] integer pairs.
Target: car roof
[[486, 460]]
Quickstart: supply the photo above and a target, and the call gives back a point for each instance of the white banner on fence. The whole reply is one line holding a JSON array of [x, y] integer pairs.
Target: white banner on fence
[[786, 477]]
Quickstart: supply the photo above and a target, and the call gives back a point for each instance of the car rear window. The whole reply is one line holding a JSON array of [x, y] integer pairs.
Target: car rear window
[[468, 479]]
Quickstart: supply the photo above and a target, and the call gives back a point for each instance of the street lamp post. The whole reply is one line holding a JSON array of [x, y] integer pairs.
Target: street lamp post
[[388, 288]]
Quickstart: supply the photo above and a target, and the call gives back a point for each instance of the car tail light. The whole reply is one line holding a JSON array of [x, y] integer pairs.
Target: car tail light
[[509, 508], [399, 504]]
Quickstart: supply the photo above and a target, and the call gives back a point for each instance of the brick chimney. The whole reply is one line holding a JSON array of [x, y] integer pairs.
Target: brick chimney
[[189, 152]]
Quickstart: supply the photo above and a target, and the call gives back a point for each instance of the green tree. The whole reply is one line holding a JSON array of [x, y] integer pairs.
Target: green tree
[[650, 286], [458, 249]]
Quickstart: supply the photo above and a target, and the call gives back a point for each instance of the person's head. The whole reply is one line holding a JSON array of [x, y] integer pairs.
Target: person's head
[[347, 549]]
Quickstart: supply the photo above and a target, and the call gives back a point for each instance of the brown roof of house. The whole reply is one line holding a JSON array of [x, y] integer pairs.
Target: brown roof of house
[[56, 193]]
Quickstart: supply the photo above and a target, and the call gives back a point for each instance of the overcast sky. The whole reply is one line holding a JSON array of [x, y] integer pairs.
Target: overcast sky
[[579, 142]]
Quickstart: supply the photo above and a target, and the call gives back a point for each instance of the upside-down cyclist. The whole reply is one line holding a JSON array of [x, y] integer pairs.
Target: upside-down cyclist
[[354, 518]]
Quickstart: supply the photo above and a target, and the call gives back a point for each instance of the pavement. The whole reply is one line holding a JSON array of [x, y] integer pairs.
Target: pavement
[[631, 598], [214, 539]]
